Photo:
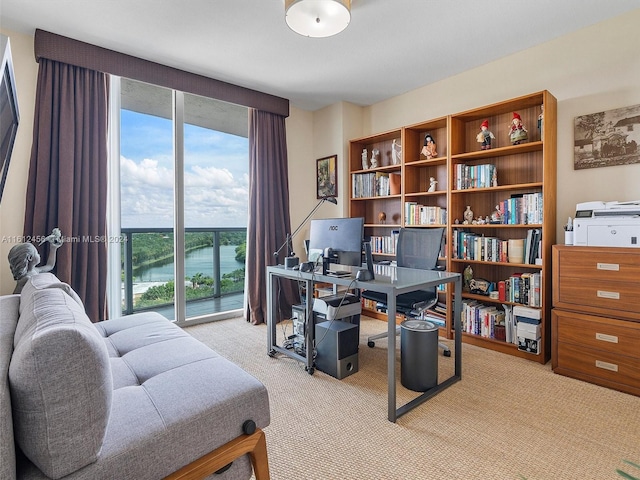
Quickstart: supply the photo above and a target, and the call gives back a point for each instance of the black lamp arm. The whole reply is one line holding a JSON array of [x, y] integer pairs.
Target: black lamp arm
[[290, 236]]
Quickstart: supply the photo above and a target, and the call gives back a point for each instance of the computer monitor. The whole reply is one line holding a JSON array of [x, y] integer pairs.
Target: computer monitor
[[336, 240]]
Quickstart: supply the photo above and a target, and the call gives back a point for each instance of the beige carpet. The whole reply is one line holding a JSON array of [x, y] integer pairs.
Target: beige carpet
[[507, 419]]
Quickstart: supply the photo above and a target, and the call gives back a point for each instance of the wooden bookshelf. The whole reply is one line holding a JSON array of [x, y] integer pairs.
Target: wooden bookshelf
[[528, 168]]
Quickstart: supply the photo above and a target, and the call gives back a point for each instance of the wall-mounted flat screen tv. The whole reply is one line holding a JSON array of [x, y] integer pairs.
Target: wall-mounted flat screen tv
[[9, 116]]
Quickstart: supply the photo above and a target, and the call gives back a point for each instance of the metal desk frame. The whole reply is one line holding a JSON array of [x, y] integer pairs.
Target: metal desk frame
[[404, 280]]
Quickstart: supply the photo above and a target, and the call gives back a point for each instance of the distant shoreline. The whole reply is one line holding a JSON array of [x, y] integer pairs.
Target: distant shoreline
[[165, 260]]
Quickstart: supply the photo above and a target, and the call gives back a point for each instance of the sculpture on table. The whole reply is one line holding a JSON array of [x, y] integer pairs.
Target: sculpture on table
[[485, 136], [396, 152], [517, 132], [24, 259], [429, 147], [432, 184]]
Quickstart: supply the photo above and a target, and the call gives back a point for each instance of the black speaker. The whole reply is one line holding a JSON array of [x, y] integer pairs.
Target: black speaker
[[337, 348]]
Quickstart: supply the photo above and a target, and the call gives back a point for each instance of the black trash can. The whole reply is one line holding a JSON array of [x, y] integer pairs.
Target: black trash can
[[418, 355]]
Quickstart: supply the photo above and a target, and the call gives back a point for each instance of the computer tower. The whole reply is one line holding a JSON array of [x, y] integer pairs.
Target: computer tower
[[337, 348]]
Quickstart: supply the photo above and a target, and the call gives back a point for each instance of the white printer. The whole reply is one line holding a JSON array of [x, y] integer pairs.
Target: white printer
[[607, 224]]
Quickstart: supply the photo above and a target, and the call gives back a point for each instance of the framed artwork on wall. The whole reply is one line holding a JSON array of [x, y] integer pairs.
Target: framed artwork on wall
[[327, 177], [607, 138]]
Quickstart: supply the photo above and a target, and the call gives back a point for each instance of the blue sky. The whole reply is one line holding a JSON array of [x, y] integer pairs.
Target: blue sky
[[216, 174]]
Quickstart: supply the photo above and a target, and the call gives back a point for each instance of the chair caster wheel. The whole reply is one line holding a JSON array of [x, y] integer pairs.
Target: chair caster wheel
[[447, 353], [371, 344], [310, 370]]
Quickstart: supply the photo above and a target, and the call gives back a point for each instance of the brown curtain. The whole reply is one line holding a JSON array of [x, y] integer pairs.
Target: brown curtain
[[269, 220], [67, 186]]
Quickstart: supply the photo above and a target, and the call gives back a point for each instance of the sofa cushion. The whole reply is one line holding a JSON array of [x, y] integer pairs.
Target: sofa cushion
[[9, 314], [60, 379]]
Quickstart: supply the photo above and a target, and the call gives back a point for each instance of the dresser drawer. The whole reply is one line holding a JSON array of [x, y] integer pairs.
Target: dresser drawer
[[608, 366], [612, 296], [602, 264], [615, 337]]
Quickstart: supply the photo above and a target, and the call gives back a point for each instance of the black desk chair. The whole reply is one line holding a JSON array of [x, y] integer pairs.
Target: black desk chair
[[417, 248]]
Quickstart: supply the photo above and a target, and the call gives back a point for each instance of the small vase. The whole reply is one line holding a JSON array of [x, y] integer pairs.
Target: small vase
[[468, 214]]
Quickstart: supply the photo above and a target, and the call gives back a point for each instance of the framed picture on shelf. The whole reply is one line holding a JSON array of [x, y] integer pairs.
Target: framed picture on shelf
[[327, 177]]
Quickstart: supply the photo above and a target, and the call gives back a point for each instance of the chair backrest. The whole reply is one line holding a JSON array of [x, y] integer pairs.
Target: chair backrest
[[419, 247]]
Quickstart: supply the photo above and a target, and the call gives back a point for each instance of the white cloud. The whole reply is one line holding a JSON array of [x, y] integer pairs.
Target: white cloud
[[213, 196]]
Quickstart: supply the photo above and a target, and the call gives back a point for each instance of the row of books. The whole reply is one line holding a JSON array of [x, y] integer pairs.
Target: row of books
[[375, 184], [429, 315], [502, 324], [521, 209], [417, 214], [522, 288], [474, 246], [480, 319], [475, 176], [533, 246], [385, 243]]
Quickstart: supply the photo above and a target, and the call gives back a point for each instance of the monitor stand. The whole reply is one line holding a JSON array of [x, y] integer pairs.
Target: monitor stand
[[366, 274]]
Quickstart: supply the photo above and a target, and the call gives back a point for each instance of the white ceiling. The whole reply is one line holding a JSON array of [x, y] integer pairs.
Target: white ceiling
[[390, 47]]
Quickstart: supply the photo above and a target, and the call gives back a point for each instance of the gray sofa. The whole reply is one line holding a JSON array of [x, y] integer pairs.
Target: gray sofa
[[130, 398]]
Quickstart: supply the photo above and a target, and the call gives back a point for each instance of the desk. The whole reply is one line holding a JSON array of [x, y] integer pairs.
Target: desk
[[404, 280]]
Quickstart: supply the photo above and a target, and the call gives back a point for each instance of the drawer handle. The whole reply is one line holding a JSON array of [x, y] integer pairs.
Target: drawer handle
[[607, 366], [608, 266], [605, 294], [606, 338]]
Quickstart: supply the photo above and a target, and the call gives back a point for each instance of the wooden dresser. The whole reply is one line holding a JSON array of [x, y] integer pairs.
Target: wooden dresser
[[595, 321]]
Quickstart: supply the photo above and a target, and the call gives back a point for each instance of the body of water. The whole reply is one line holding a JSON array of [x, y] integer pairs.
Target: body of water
[[196, 261]]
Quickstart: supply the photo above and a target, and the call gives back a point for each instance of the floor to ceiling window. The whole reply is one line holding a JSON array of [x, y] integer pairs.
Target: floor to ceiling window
[[182, 202]]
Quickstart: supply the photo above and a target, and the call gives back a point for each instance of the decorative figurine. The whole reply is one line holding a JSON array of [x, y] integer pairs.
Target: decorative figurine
[[468, 215], [374, 157], [432, 184], [382, 217], [517, 132], [485, 136], [365, 164], [467, 275], [494, 178], [24, 259], [429, 148], [396, 152], [541, 122], [496, 215]]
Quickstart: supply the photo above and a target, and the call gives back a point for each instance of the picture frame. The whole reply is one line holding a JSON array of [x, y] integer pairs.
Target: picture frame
[[607, 138], [327, 177]]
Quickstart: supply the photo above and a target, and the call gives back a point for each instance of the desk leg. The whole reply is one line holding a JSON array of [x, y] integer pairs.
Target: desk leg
[[310, 327], [391, 359], [457, 311], [271, 316]]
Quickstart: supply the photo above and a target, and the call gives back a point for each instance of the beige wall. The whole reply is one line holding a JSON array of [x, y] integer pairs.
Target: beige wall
[[589, 71], [592, 70], [13, 198]]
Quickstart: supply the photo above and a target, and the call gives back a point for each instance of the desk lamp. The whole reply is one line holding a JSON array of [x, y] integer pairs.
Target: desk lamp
[[291, 260]]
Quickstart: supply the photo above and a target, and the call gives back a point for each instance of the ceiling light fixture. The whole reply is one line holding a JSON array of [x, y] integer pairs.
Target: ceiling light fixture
[[318, 18]]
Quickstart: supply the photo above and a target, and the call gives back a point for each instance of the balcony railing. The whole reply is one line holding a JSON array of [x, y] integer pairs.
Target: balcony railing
[[149, 251]]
